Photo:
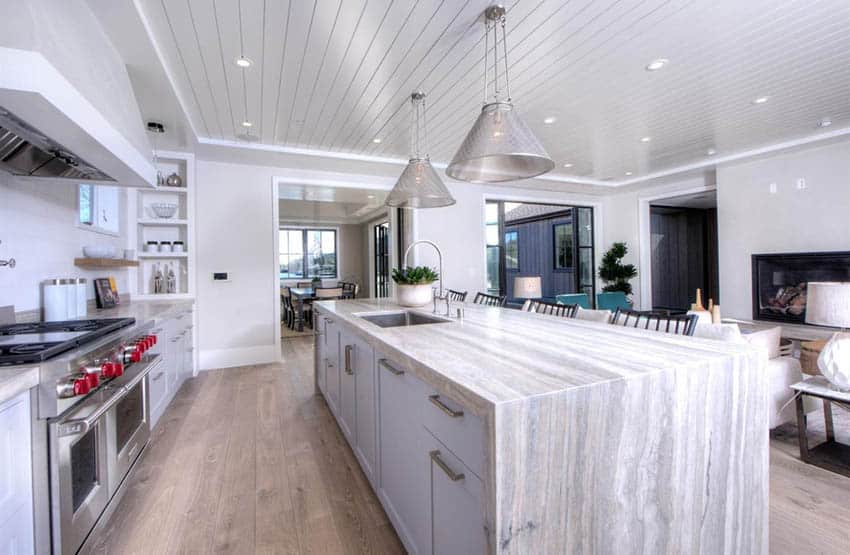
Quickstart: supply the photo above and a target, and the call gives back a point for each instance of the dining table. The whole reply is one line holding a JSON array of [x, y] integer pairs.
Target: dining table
[[300, 296]]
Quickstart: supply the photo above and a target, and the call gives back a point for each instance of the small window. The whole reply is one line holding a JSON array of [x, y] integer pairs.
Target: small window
[[308, 253], [563, 246], [98, 209], [512, 250]]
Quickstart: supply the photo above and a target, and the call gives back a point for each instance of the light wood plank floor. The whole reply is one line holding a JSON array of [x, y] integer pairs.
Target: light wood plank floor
[[248, 460]]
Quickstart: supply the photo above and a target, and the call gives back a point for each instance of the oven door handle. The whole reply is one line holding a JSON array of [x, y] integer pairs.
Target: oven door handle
[[75, 426]]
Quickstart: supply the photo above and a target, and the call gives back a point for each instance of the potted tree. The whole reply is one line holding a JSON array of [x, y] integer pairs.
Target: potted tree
[[616, 275], [414, 285]]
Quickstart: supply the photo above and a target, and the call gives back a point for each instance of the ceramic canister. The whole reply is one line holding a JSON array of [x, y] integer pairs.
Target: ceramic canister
[[82, 309], [55, 300]]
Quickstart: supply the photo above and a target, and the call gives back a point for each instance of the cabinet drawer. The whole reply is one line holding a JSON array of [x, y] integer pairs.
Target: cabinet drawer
[[460, 430], [456, 518]]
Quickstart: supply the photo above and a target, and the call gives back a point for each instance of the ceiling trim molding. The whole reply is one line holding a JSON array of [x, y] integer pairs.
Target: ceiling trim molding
[[283, 149], [714, 161]]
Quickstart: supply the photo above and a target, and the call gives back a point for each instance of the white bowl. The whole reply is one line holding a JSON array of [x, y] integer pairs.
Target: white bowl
[[164, 209], [100, 251]]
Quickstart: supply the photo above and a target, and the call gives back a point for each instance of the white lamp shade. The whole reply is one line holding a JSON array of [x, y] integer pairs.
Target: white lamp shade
[[828, 304], [527, 287]]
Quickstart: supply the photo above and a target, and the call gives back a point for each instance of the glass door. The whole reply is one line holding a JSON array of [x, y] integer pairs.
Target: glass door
[[381, 238]]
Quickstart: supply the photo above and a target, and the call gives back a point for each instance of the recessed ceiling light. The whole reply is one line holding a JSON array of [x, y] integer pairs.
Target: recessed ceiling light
[[244, 62], [376, 140], [760, 99], [655, 65], [568, 165], [550, 120], [247, 123], [628, 173], [825, 122], [645, 139], [711, 152]]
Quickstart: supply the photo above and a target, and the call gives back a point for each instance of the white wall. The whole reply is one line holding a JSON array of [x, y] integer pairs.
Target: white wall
[[459, 229], [751, 220], [70, 37], [38, 228]]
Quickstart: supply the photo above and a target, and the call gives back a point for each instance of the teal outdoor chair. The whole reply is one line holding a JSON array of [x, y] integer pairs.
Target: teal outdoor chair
[[573, 298], [612, 301]]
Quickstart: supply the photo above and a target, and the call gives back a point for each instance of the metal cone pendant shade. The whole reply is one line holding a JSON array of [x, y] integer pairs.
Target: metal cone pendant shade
[[419, 186], [499, 147]]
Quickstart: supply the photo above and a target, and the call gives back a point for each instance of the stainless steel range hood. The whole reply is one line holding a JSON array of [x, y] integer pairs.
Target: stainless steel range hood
[[26, 151]]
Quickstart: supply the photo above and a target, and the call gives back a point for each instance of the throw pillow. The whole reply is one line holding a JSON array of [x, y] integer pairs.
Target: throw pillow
[[767, 339]]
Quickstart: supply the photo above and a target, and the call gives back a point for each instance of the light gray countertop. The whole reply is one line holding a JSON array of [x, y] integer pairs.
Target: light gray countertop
[[14, 380], [498, 355]]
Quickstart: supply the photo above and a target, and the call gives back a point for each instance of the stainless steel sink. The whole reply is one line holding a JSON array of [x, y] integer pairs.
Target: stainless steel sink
[[401, 318]]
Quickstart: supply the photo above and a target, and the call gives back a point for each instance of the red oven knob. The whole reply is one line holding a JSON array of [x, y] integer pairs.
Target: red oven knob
[[136, 356], [153, 339], [92, 380], [118, 369], [81, 386], [107, 370], [141, 346]]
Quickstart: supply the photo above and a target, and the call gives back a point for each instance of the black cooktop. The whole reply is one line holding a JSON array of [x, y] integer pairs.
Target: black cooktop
[[39, 341]]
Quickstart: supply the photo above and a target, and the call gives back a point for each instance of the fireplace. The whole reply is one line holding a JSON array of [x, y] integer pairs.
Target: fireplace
[[779, 282]]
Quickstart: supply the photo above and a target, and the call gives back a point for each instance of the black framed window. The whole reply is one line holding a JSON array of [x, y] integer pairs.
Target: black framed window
[[492, 228], [308, 253], [563, 246], [512, 250]]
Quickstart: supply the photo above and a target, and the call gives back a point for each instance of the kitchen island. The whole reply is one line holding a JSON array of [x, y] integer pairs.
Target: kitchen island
[[514, 432]]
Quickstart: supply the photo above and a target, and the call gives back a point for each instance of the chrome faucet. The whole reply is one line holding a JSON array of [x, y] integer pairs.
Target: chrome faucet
[[440, 295]]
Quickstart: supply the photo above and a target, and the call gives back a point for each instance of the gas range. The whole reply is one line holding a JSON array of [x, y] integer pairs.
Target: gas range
[[39, 341]]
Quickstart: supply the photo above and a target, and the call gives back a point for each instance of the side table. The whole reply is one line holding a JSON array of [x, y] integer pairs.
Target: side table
[[830, 454]]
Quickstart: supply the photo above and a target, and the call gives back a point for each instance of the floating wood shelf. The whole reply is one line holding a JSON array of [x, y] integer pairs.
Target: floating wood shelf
[[163, 221], [105, 263]]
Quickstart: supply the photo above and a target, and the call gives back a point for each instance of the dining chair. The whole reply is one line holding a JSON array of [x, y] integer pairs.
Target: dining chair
[[329, 292], [679, 324], [490, 300], [453, 295], [287, 310], [304, 284], [552, 309], [349, 290], [573, 298]]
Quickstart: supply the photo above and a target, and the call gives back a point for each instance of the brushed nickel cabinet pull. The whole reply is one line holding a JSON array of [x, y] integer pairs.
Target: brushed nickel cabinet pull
[[348, 349], [453, 476], [435, 399], [388, 366]]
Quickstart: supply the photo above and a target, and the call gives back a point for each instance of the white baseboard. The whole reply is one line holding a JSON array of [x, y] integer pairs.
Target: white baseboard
[[211, 359]]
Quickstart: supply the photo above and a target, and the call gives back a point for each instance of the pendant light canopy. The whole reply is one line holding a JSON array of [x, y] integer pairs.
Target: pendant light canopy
[[500, 146], [419, 185]]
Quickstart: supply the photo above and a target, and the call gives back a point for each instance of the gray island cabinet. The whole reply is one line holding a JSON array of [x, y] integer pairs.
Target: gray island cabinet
[[511, 432]]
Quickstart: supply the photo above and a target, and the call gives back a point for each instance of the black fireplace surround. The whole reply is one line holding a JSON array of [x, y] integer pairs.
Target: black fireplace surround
[[779, 282]]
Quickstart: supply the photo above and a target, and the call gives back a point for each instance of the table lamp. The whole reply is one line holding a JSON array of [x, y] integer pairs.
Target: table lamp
[[828, 304], [528, 287]]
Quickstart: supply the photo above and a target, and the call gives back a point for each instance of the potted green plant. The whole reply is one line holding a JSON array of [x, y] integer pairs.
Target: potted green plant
[[616, 275], [414, 285]]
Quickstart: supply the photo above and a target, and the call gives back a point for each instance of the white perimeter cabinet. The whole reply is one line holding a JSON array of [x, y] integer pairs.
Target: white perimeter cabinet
[[174, 345], [16, 514], [421, 451]]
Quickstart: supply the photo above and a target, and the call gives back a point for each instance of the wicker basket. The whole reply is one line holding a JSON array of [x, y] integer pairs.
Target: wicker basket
[[809, 352]]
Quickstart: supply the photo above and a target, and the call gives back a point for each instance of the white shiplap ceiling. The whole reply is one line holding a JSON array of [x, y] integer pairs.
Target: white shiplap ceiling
[[332, 75]]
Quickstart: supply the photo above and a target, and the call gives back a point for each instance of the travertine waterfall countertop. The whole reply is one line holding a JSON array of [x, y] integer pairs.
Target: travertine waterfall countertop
[[499, 355], [598, 438]]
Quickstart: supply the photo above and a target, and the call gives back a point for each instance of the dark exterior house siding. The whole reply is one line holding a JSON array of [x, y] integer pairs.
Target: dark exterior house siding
[[536, 241]]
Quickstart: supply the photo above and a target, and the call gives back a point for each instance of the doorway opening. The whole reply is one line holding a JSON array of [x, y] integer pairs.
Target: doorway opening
[[552, 242], [683, 246], [327, 248]]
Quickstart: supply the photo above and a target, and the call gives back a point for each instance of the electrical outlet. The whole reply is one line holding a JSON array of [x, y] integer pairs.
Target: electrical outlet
[[801, 183]]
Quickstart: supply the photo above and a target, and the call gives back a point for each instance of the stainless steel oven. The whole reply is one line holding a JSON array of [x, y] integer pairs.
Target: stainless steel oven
[[92, 448]]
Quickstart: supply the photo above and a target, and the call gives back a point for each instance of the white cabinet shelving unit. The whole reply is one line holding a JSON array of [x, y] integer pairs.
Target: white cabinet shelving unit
[[146, 226]]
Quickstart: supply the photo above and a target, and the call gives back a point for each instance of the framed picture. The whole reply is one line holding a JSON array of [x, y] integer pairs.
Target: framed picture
[[105, 295]]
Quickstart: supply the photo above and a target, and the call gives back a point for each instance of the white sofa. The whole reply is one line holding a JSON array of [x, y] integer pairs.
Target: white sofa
[[782, 371]]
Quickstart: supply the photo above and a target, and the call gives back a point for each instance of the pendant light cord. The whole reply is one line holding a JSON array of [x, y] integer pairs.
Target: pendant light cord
[[491, 25], [505, 48]]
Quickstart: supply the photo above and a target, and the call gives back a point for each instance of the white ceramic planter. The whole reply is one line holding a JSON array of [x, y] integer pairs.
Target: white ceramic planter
[[414, 295]]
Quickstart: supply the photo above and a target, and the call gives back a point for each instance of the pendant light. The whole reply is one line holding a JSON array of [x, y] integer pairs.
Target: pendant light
[[419, 185], [500, 146]]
